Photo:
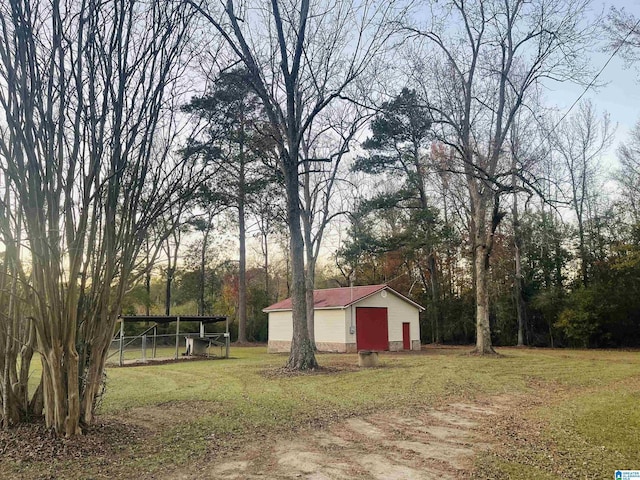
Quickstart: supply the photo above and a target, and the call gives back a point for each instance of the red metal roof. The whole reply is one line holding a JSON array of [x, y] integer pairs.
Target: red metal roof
[[338, 297]]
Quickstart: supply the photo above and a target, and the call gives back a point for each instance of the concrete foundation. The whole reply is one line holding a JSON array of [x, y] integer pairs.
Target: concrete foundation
[[278, 346], [281, 346], [331, 347], [351, 348]]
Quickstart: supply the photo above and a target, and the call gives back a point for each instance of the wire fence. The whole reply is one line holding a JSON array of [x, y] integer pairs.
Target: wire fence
[[150, 346]]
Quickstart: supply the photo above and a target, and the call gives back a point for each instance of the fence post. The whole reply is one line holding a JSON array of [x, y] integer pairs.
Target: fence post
[[155, 335], [177, 335], [227, 338], [121, 361]]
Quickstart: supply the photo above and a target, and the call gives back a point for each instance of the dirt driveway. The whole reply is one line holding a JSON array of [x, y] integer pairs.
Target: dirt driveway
[[434, 443]]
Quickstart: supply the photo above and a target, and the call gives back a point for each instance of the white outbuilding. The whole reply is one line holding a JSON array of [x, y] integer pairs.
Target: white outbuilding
[[350, 319]]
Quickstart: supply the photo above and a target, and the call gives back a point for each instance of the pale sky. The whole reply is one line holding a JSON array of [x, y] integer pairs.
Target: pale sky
[[620, 96]]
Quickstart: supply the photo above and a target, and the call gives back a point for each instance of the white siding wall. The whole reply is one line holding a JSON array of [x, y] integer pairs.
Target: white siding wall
[[329, 325], [398, 311], [280, 326]]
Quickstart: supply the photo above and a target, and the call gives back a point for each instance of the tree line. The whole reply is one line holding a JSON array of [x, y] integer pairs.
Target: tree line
[[130, 128]]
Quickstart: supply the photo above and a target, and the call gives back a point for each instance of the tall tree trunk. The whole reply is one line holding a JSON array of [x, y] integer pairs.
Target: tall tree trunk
[[302, 356], [517, 289], [14, 388], [26, 355], [72, 420], [435, 296], [242, 278], [167, 290], [310, 271], [94, 383], [310, 279], [242, 267], [582, 249], [147, 281], [147, 288], [518, 279], [483, 328], [481, 252], [172, 262], [265, 253], [10, 413], [203, 273]]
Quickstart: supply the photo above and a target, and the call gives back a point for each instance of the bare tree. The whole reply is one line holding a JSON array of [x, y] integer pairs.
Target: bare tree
[[485, 58], [628, 176], [175, 223], [580, 142], [268, 215], [324, 146], [301, 58], [206, 226], [527, 145], [83, 98], [624, 34], [17, 338]]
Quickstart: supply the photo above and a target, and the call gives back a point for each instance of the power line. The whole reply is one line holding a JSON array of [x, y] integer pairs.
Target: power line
[[586, 89], [593, 81]]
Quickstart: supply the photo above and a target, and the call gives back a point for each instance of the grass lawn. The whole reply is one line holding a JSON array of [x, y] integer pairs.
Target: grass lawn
[[576, 416]]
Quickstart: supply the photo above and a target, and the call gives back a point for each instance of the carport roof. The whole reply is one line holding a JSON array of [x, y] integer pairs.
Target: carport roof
[[339, 297], [172, 318]]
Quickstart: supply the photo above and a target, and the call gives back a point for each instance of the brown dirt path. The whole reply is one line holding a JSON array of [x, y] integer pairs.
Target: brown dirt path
[[434, 443]]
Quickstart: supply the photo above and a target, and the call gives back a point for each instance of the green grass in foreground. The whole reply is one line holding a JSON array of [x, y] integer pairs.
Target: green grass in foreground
[[589, 430], [598, 431], [588, 436], [234, 400]]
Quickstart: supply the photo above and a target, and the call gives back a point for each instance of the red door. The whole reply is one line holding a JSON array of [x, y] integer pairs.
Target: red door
[[406, 336], [372, 330]]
